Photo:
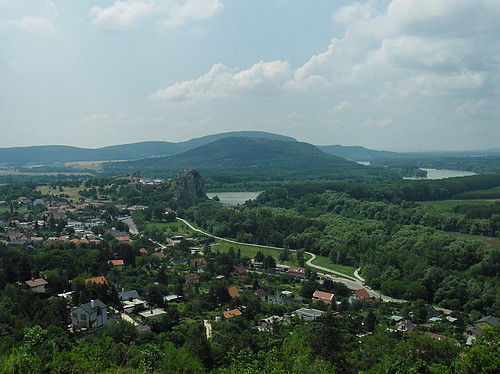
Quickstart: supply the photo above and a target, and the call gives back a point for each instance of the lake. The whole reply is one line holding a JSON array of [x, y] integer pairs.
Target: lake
[[445, 173], [234, 198]]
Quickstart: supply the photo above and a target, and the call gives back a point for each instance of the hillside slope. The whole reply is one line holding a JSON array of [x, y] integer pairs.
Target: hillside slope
[[134, 151]]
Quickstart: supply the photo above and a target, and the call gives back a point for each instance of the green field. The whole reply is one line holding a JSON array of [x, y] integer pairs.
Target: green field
[[72, 192], [325, 262], [490, 242], [450, 204], [247, 250]]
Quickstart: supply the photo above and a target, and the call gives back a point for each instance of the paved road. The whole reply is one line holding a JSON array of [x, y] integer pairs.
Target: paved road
[[132, 228], [350, 282]]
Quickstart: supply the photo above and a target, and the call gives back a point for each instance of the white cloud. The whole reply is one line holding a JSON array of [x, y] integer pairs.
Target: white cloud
[[470, 107], [437, 85], [263, 78], [121, 15], [341, 107], [196, 10], [34, 25]]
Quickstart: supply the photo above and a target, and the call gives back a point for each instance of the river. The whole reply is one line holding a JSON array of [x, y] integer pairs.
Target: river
[[234, 198], [444, 173]]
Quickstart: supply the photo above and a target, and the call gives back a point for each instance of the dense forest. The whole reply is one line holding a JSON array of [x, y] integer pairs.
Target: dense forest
[[401, 246]]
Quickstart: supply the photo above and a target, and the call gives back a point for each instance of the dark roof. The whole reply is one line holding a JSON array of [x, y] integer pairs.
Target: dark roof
[[260, 292], [88, 306], [490, 320], [240, 270], [126, 295]]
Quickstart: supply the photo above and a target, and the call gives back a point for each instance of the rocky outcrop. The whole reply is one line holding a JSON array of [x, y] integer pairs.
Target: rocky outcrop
[[188, 187]]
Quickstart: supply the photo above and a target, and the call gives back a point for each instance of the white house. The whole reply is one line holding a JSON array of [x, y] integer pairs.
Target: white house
[[91, 315]]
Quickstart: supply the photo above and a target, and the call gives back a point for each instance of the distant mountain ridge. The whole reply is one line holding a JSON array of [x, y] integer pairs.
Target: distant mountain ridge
[[355, 152], [242, 154], [62, 153]]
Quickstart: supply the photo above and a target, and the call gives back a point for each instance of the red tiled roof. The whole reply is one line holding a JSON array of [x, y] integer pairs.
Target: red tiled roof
[[362, 294], [232, 313], [117, 262], [98, 280], [323, 295]]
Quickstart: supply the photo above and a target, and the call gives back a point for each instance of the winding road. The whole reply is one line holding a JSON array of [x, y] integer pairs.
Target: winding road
[[353, 283]]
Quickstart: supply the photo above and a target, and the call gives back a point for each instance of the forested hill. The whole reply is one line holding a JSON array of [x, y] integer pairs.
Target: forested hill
[[356, 152], [244, 154], [62, 153]]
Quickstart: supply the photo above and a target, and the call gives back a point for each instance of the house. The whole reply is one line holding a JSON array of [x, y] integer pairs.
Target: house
[[487, 322], [159, 255], [118, 264], [233, 292], [269, 322], [308, 314], [261, 293], [97, 280], [359, 295], [239, 271], [405, 325], [143, 252], [296, 272], [170, 298], [471, 333], [220, 277], [91, 315], [192, 278], [228, 314], [325, 297], [198, 263], [131, 301], [147, 314], [37, 285]]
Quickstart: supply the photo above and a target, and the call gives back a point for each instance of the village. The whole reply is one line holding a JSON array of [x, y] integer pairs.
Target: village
[[154, 285]]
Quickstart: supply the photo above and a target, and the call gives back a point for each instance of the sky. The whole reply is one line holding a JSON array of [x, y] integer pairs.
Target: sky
[[393, 75]]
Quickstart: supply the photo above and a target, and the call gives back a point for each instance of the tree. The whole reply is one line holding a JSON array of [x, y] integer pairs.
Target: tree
[[259, 257], [269, 262]]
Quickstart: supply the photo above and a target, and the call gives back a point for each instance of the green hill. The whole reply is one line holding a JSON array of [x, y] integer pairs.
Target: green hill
[[134, 151], [242, 155]]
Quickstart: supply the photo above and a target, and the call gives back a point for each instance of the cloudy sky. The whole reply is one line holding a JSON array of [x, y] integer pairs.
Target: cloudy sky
[[396, 75]]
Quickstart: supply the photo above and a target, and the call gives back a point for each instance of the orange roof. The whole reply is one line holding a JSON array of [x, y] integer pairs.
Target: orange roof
[[117, 262], [362, 294], [323, 295], [160, 255], [232, 313], [233, 292], [98, 280], [124, 239]]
